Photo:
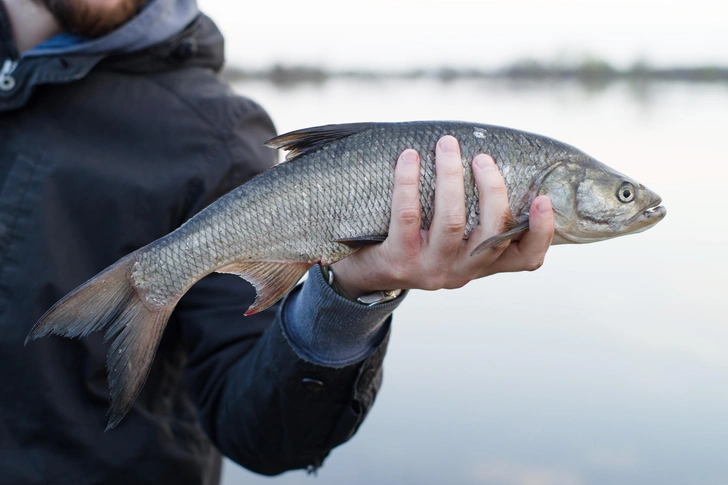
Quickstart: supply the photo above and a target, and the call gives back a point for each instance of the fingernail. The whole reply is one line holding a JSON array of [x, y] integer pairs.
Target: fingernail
[[409, 156], [448, 144], [544, 205], [484, 161]]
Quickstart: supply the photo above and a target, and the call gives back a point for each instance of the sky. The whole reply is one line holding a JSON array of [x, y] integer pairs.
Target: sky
[[401, 34]]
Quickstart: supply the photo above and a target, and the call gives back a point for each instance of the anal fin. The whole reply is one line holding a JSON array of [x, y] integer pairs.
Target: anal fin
[[271, 279]]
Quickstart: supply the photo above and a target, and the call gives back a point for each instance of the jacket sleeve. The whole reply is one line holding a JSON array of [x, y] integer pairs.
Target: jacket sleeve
[[265, 396]]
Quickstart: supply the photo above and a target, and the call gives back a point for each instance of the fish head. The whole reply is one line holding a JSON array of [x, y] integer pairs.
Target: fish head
[[592, 202]]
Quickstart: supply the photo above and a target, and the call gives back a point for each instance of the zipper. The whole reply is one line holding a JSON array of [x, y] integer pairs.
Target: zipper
[[7, 81]]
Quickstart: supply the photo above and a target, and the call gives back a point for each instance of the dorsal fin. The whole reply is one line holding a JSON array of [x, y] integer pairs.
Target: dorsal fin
[[307, 140]]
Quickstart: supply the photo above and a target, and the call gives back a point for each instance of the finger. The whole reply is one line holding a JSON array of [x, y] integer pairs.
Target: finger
[[536, 241], [404, 237], [448, 222], [528, 254], [492, 203]]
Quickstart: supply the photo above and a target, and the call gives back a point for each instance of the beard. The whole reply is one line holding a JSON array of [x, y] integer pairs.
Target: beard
[[93, 18]]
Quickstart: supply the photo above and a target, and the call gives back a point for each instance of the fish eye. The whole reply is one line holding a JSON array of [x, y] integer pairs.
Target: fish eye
[[626, 192]]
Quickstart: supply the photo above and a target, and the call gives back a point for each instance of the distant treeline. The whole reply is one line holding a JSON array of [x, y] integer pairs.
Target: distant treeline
[[590, 71]]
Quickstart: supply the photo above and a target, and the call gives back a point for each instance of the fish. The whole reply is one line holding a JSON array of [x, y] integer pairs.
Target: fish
[[328, 198]]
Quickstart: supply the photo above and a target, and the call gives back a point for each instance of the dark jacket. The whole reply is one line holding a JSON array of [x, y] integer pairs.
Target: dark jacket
[[100, 155]]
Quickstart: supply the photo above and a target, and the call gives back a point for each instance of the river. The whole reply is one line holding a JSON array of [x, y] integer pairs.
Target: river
[[609, 365]]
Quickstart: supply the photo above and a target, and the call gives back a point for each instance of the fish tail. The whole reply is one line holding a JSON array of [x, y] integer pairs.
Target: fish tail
[[109, 302]]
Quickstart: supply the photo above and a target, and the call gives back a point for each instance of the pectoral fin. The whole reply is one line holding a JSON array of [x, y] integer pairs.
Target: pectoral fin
[[510, 234], [271, 279]]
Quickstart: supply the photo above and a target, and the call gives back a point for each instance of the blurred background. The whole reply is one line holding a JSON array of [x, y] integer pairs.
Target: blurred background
[[609, 365]]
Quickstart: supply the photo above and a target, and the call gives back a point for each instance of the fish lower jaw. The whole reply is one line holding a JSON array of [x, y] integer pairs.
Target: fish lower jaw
[[560, 238], [657, 211], [654, 210], [646, 219]]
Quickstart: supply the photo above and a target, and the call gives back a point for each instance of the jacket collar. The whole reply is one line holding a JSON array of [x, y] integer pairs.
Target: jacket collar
[[7, 44]]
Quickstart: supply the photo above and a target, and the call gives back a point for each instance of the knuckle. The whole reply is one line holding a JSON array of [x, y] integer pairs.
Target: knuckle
[[453, 224], [408, 216], [408, 178], [534, 264], [497, 188], [456, 283]]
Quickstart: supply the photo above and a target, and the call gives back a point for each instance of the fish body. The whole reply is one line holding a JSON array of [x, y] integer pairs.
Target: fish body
[[331, 196]]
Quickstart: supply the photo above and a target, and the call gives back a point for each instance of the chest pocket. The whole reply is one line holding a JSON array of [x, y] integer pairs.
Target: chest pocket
[[16, 177]]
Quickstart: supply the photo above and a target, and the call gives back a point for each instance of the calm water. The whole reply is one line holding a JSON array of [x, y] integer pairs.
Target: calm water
[[607, 366]]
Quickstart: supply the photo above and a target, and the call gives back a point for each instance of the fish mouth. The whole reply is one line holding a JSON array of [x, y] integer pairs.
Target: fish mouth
[[648, 217]]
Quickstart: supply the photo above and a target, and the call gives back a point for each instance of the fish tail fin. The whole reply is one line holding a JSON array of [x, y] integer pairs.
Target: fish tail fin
[[109, 302]]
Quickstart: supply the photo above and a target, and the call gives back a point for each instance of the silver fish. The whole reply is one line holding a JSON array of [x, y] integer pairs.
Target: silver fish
[[331, 196]]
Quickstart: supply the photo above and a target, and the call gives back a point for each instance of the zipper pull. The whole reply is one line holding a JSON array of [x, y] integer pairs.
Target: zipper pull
[[7, 82]]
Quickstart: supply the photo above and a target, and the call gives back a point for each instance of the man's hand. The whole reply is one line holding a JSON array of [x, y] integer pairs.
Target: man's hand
[[439, 258]]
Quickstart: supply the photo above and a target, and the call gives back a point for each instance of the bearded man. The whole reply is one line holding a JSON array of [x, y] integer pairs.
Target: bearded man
[[114, 130]]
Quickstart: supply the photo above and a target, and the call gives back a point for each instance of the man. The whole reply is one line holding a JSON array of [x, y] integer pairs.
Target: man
[[114, 130]]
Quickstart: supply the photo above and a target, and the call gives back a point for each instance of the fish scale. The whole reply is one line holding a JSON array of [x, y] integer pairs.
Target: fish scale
[[331, 212], [331, 195]]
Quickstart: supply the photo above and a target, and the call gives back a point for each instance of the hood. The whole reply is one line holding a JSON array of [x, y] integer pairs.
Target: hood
[[158, 21], [164, 35]]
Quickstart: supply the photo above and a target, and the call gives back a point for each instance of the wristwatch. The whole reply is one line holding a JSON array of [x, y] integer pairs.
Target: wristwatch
[[371, 299]]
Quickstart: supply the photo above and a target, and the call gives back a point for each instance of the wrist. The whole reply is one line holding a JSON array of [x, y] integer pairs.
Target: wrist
[[348, 279], [327, 329], [354, 293]]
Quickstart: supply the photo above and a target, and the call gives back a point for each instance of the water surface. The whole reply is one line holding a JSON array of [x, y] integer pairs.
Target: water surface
[[609, 365]]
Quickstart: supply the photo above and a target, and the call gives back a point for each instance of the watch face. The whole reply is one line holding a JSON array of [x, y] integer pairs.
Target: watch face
[[379, 297]]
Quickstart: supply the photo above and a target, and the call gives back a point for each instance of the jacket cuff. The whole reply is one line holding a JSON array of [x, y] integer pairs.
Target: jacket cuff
[[325, 328]]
